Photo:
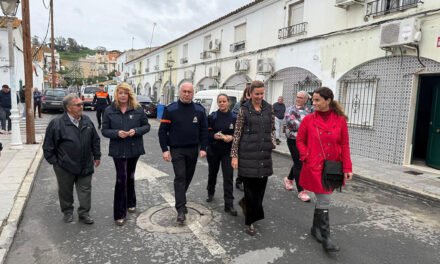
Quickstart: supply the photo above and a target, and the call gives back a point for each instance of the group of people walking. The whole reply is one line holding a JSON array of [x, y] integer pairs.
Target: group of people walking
[[241, 139]]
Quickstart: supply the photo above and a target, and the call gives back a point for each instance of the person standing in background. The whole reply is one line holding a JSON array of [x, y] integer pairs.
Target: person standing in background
[[100, 101], [37, 102], [294, 116], [279, 109]]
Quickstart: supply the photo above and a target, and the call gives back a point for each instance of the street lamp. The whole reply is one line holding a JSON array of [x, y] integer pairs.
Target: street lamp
[[9, 8]]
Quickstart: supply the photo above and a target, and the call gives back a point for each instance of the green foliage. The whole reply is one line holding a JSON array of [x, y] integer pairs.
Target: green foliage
[[76, 55]]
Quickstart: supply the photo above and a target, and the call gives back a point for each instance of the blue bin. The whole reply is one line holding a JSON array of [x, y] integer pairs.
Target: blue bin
[[160, 109]]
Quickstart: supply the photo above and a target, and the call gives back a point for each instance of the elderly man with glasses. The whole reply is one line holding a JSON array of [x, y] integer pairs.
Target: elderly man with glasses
[[72, 146]]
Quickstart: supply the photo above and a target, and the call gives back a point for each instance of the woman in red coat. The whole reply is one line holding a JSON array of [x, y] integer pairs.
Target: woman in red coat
[[323, 133]]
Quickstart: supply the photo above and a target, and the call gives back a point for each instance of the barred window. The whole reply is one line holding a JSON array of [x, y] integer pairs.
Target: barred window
[[307, 85], [358, 97]]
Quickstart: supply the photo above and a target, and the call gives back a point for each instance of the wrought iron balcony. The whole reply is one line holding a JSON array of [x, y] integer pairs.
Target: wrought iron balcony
[[291, 31], [382, 7]]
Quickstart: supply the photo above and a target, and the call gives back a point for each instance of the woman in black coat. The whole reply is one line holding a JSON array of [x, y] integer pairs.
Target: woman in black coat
[[125, 122], [252, 152], [221, 125]]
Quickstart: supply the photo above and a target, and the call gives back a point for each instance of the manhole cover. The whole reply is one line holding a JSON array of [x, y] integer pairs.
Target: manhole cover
[[162, 218]]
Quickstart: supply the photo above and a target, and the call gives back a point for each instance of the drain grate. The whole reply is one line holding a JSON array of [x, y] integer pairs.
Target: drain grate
[[413, 172]]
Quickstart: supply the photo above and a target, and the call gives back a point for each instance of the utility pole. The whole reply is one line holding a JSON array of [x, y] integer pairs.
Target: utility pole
[[28, 72], [52, 45]]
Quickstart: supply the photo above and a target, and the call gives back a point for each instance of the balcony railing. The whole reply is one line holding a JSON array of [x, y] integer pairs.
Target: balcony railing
[[382, 7], [291, 31]]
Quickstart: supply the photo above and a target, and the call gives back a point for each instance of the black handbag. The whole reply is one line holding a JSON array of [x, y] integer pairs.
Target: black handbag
[[332, 175]]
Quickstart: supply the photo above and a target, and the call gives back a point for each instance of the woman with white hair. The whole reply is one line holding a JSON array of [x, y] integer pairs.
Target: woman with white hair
[[293, 118]]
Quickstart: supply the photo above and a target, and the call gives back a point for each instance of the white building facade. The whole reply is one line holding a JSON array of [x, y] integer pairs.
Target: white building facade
[[380, 57]]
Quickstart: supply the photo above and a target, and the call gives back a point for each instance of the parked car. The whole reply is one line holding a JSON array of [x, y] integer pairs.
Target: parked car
[[208, 98], [52, 99], [87, 94], [150, 107]]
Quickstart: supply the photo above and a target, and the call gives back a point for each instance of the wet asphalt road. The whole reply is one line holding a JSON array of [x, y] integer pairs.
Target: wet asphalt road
[[370, 223]]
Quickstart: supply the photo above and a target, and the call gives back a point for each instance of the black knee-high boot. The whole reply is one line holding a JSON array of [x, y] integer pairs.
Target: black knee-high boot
[[316, 232], [324, 226]]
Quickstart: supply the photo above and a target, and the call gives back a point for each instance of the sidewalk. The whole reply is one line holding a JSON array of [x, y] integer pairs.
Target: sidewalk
[[17, 171], [402, 178]]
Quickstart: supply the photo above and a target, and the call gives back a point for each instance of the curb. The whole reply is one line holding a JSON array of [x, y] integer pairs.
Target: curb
[[8, 232], [388, 185]]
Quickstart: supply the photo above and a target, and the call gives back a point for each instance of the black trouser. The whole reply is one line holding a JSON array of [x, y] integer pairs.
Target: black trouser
[[184, 164], [297, 164], [125, 194], [37, 106], [254, 189], [83, 186], [99, 114], [5, 114], [215, 158]]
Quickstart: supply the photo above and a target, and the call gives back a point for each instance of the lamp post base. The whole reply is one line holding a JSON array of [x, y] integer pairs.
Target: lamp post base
[[16, 142]]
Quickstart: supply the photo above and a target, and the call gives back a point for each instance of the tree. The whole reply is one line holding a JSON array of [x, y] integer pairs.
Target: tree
[[60, 44], [72, 45]]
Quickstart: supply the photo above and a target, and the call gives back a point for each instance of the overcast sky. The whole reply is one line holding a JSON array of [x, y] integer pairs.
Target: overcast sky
[[113, 23]]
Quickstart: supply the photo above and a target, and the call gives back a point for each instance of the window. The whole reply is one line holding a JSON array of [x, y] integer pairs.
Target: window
[[296, 14], [240, 33], [358, 97], [382, 7], [185, 51], [156, 67], [148, 64], [239, 38], [206, 41], [295, 21]]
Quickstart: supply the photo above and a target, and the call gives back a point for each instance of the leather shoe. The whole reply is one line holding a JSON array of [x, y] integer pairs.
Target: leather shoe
[[68, 217], [181, 218], [251, 230], [86, 219], [131, 210], [231, 211], [209, 199], [120, 222]]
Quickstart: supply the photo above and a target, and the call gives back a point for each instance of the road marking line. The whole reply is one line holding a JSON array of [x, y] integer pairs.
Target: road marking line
[[151, 174]]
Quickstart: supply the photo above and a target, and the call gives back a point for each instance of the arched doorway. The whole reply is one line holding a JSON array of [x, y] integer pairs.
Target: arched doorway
[[147, 89], [138, 89], [287, 82], [236, 82], [156, 88], [168, 94], [206, 83]]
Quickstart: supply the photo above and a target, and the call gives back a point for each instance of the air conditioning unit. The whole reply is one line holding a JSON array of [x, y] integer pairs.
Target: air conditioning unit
[[346, 3], [188, 74], [205, 55], [214, 72], [147, 70], [183, 60], [237, 46], [214, 45], [265, 66], [399, 33], [241, 65]]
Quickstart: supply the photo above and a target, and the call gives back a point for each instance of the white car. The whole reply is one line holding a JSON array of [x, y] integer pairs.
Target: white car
[[208, 98]]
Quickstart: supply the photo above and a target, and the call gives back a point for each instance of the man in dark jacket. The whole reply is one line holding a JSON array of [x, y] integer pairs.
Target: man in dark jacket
[[101, 101], [183, 128], [5, 108], [279, 109], [72, 146]]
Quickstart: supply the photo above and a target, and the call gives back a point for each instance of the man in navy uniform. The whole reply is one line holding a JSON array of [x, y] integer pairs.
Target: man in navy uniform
[[183, 135]]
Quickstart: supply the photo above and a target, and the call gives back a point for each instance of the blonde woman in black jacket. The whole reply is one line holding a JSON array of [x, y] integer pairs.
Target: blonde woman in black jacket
[[125, 122]]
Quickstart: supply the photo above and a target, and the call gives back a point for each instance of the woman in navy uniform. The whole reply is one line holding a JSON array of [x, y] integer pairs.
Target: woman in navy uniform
[[221, 126]]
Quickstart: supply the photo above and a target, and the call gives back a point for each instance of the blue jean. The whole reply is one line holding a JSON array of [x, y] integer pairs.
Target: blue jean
[[125, 195]]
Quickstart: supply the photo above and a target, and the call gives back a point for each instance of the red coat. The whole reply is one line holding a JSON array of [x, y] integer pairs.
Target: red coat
[[334, 138]]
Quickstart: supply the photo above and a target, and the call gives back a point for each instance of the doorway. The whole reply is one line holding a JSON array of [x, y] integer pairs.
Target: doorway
[[426, 139]]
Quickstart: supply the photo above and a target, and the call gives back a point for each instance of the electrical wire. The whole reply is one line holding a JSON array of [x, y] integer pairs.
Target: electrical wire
[[44, 3], [45, 37]]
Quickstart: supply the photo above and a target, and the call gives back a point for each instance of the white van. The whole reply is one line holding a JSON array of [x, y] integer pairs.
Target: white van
[[208, 98], [111, 91]]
